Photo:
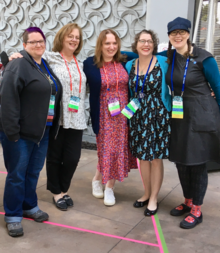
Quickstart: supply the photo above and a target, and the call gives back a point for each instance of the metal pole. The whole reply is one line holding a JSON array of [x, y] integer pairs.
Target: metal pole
[[211, 25], [197, 21]]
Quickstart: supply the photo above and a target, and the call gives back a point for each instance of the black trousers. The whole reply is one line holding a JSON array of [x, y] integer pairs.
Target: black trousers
[[194, 181], [62, 159]]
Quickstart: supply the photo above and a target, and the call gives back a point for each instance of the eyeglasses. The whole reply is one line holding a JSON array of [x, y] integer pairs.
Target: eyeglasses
[[34, 43], [73, 38], [175, 32], [150, 42]]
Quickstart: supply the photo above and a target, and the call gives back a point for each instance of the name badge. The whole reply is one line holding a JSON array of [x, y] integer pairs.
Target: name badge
[[131, 108], [74, 104], [50, 115], [177, 108], [114, 106]]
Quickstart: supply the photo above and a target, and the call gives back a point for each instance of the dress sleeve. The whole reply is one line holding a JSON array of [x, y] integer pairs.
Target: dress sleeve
[[211, 72]]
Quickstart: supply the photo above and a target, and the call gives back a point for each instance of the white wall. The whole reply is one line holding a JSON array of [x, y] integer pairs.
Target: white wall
[[126, 17], [161, 12]]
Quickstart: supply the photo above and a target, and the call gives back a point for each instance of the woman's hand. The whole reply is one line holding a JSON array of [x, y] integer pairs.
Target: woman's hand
[[15, 56], [213, 94]]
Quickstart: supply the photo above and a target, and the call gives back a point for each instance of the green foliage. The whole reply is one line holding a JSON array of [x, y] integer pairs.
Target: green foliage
[[205, 11]]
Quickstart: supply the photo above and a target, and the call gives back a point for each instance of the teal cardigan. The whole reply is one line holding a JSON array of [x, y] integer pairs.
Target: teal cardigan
[[165, 94]]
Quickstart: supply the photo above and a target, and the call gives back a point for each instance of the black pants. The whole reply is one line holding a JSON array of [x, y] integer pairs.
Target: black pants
[[194, 181], [62, 158]]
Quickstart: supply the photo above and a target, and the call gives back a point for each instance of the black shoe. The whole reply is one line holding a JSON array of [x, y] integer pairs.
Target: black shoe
[[60, 204], [138, 204], [68, 200], [187, 225], [39, 216], [148, 212], [15, 229], [176, 212]]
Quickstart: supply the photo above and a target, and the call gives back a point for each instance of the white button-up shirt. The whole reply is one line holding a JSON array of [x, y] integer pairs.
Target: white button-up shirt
[[57, 63]]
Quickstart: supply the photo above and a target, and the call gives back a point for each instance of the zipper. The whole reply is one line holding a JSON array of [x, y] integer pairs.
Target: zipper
[[48, 107]]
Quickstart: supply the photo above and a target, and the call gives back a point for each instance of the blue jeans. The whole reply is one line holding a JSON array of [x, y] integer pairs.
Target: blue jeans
[[24, 160]]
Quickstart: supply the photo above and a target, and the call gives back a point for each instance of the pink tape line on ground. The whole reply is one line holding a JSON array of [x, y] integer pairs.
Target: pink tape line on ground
[[97, 233], [152, 217], [157, 234], [103, 234]]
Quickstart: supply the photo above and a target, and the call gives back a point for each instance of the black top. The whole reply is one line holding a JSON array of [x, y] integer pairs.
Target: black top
[[195, 138], [194, 74], [53, 87]]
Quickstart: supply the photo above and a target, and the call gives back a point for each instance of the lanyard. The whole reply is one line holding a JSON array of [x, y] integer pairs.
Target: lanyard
[[47, 71], [184, 77], [144, 76], [80, 76], [108, 89]]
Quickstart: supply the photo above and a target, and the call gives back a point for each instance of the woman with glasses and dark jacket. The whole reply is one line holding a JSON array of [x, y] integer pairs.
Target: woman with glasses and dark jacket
[[30, 97], [195, 135]]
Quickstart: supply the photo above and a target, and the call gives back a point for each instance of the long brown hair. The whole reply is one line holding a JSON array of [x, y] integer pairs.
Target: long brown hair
[[66, 30], [98, 50], [186, 54]]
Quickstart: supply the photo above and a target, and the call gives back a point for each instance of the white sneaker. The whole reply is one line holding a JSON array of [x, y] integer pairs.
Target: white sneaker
[[109, 198], [97, 189]]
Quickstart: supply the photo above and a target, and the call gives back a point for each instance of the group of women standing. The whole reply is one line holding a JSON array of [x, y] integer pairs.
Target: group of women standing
[[146, 90]]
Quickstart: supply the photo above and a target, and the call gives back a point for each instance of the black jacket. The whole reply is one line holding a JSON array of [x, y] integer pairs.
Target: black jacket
[[24, 97]]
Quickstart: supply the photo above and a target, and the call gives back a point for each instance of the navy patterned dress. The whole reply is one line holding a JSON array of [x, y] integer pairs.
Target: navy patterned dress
[[150, 126]]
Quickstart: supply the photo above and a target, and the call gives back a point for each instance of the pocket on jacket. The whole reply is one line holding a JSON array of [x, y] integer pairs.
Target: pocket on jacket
[[204, 115]]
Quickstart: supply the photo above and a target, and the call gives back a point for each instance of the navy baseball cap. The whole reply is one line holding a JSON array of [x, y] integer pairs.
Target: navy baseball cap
[[179, 24]]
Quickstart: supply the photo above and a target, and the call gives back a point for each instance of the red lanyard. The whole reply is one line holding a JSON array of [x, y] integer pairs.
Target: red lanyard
[[107, 77], [80, 76]]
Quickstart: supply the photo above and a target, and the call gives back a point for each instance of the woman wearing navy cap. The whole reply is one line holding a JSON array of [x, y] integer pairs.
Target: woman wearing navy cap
[[195, 117]]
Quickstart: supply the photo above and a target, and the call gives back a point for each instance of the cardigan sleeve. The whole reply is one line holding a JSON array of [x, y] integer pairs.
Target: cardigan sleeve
[[130, 55], [211, 72], [163, 53]]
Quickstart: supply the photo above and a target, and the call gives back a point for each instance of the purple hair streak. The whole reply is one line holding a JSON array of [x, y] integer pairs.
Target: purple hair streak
[[34, 29]]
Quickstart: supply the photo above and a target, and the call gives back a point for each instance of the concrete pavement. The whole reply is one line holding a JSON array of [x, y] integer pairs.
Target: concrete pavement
[[121, 220]]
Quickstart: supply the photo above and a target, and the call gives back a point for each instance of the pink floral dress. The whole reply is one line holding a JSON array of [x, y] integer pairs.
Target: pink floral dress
[[114, 157]]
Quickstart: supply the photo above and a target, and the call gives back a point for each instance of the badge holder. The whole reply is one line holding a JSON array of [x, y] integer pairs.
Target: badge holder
[[74, 104], [177, 108], [51, 80], [113, 103], [114, 106], [134, 105], [50, 115], [177, 101], [131, 108]]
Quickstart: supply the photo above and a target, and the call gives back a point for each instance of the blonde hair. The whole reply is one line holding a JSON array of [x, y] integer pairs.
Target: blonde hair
[[98, 50], [64, 31]]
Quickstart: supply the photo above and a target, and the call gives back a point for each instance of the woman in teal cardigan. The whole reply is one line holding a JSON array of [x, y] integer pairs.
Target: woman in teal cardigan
[[150, 125]]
